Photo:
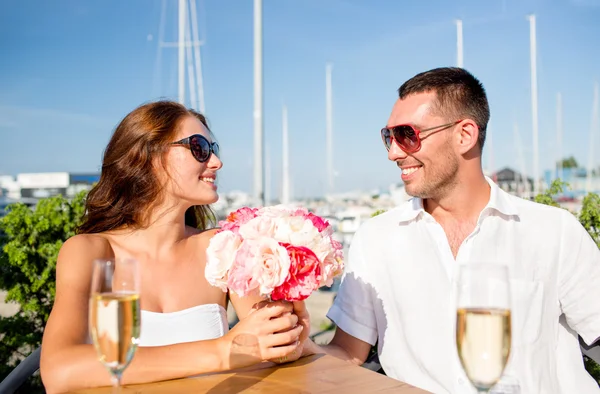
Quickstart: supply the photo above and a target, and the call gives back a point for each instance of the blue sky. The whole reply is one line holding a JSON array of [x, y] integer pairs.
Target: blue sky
[[71, 69]]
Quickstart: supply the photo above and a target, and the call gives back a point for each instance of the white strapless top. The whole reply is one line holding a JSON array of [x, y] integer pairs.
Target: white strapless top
[[208, 321]]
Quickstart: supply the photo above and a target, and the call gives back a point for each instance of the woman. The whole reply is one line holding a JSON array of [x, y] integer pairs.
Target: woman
[[151, 203]]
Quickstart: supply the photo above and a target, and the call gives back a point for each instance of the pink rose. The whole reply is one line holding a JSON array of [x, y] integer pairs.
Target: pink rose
[[240, 279], [300, 212], [237, 218], [304, 276], [338, 249], [320, 223], [260, 264]]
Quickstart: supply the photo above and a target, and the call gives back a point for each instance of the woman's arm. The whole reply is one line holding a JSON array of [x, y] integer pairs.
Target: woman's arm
[[68, 363]]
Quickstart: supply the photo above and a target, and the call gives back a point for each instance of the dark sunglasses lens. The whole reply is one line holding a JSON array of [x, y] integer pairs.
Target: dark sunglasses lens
[[200, 148], [386, 137], [406, 137], [215, 149]]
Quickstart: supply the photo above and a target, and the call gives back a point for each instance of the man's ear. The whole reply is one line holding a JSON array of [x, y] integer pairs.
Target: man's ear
[[467, 136]]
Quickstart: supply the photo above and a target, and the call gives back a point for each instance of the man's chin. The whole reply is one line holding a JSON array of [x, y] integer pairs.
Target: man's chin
[[413, 191]]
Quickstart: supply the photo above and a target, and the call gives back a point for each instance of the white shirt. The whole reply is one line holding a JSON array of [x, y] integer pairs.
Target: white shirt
[[397, 291]]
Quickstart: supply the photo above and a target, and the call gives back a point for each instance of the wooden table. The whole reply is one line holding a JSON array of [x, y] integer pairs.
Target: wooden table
[[314, 374]]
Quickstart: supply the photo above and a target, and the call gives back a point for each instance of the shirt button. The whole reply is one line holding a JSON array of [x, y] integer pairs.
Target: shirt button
[[461, 381]]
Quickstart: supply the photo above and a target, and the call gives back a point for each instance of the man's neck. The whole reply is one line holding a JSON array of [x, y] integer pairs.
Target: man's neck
[[464, 202]]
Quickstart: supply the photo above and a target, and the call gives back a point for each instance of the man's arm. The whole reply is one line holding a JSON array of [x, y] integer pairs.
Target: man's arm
[[579, 279], [343, 346], [592, 351]]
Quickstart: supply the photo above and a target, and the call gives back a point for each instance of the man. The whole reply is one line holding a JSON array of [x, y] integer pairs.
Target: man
[[397, 290]]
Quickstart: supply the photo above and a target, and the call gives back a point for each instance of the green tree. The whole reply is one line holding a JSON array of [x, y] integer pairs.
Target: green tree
[[547, 197], [28, 250], [569, 162], [589, 216]]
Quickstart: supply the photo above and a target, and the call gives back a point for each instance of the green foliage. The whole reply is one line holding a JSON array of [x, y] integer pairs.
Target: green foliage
[[547, 197], [569, 162], [592, 368], [589, 216], [29, 247], [377, 212]]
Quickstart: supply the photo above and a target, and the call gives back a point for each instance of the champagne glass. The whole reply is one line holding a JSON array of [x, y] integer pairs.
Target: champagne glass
[[483, 324], [114, 317]]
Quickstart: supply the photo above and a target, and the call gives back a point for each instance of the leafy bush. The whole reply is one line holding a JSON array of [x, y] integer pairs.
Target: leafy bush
[[31, 239]]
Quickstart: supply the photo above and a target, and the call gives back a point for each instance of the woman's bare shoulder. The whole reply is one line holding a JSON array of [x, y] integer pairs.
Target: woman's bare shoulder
[[95, 241], [85, 247], [203, 236]]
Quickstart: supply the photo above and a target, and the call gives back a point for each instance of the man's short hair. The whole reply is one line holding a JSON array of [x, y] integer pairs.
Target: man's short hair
[[459, 95]]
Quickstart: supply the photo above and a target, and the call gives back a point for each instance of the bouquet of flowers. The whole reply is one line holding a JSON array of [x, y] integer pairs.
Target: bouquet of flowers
[[279, 252]]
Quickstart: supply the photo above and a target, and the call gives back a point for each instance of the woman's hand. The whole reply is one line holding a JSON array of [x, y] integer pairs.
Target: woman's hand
[[303, 320], [270, 332]]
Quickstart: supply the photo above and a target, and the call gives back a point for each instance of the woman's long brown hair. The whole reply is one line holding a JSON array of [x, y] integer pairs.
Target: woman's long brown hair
[[128, 188]]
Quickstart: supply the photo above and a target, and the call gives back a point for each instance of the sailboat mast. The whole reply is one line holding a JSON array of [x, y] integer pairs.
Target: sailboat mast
[[534, 101], [181, 46], [258, 105], [197, 58], [593, 132], [521, 159], [459, 43], [329, 136], [285, 182], [559, 142]]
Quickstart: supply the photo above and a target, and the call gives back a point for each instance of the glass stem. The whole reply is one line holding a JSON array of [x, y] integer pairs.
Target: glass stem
[[116, 382]]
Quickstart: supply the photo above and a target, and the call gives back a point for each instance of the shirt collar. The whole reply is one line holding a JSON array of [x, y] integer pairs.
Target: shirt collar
[[411, 210], [500, 201]]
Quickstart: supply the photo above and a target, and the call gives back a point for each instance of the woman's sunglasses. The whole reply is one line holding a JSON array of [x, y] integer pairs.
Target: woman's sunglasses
[[201, 148], [409, 137]]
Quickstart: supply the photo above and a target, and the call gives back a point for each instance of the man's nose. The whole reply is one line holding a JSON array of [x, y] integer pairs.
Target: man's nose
[[396, 153]]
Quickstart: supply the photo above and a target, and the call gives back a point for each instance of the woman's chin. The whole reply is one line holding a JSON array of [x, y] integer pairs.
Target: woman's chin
[[205, 198]]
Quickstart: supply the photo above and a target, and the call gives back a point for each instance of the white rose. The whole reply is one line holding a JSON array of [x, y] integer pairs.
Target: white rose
[[220, 255], [321, 246], [296, 230], [260, 226], [271, 264], [275, 211]]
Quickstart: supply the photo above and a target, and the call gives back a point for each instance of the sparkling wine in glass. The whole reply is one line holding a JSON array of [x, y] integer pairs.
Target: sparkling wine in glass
[[483, 324], [114, 314]]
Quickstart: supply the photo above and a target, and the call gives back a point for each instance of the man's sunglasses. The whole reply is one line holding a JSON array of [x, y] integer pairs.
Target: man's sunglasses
[[201, 148], [409, 137]]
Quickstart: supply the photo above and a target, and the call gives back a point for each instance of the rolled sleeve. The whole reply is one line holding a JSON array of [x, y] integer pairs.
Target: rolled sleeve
[[352, 309], [579, 281]]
